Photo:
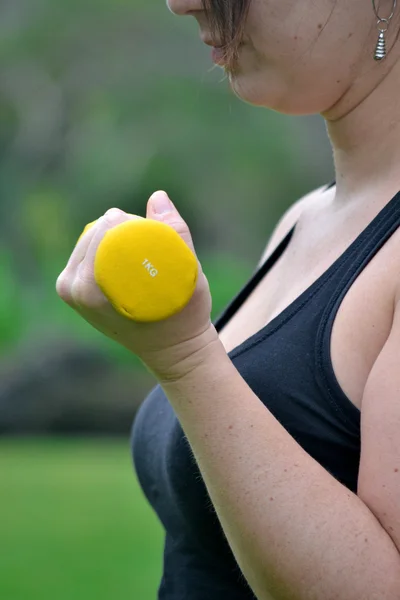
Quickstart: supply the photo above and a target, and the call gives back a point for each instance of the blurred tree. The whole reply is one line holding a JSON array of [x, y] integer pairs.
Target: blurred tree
[[103, 102]]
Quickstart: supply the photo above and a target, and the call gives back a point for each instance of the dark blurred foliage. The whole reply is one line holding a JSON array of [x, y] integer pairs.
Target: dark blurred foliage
[[103, 102]]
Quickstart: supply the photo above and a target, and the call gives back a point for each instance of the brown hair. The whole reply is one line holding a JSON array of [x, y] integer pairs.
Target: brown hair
[[227, 20]]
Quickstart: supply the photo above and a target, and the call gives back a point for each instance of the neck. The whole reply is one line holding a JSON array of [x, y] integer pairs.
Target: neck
[[366, 143]]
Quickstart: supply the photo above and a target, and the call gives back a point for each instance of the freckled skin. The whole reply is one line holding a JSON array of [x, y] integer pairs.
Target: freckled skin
[[305, 58], [299, 65]]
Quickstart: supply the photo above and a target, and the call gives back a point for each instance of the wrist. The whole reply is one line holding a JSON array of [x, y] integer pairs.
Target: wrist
[[183, 361]]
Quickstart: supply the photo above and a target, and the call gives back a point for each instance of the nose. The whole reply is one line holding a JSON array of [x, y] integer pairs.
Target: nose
[[184, 7]]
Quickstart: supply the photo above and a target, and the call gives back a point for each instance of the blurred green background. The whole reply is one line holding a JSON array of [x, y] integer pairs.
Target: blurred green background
[[103, 102]]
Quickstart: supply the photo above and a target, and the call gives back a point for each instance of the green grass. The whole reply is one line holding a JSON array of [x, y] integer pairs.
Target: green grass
[[74, 523]]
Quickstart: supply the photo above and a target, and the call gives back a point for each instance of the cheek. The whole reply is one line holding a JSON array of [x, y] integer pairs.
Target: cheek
[[290, 63], [267, 72], [294, 74], [295, 87], [278, 29]]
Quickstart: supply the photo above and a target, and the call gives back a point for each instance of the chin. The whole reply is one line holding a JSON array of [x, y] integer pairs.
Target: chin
[[252, 89], [275, 95]]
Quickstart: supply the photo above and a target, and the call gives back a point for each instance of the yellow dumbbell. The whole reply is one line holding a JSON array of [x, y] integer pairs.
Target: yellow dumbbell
[[145, 269]]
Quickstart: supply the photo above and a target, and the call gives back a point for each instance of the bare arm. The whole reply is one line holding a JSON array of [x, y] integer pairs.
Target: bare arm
[[296, 532]]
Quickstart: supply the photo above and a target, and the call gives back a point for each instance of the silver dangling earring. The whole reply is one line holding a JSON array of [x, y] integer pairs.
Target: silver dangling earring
[[380, 49]]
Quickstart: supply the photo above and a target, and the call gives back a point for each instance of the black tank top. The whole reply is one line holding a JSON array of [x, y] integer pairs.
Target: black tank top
[[288, 366]]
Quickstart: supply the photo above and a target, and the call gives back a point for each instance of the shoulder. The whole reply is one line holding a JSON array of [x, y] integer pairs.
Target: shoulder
[[288, 220]]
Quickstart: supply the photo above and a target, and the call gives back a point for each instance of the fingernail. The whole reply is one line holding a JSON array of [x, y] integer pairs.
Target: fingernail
[[161, 203]]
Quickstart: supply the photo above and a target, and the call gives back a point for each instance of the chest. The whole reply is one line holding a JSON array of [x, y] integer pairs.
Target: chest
[[361, 325]]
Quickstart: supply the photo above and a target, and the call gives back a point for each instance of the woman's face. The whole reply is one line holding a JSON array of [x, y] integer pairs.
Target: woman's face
[[300, 56]]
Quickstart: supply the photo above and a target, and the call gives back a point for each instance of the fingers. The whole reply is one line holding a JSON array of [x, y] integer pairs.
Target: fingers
[[76, 285], [111, 219], [81, 246], [77, 256]]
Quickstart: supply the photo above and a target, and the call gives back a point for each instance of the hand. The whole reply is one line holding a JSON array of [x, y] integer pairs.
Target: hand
[[167, 347]]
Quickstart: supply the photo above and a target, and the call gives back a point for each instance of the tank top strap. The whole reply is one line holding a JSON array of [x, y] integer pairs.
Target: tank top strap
[[225, 316], [354, 260], [256, 277]]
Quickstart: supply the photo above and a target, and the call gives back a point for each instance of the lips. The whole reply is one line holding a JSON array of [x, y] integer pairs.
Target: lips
[[209, 42]]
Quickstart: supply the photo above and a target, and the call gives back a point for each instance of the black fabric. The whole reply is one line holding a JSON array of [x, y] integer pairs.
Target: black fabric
[[288, 366]]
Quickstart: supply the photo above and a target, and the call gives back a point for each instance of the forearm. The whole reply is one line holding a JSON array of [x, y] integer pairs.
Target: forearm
[[296, 532]]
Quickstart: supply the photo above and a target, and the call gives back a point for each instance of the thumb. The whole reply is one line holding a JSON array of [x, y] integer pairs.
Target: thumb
[[160, 208]]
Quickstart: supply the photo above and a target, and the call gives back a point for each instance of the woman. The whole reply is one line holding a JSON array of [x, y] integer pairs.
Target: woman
[[270, 450]]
